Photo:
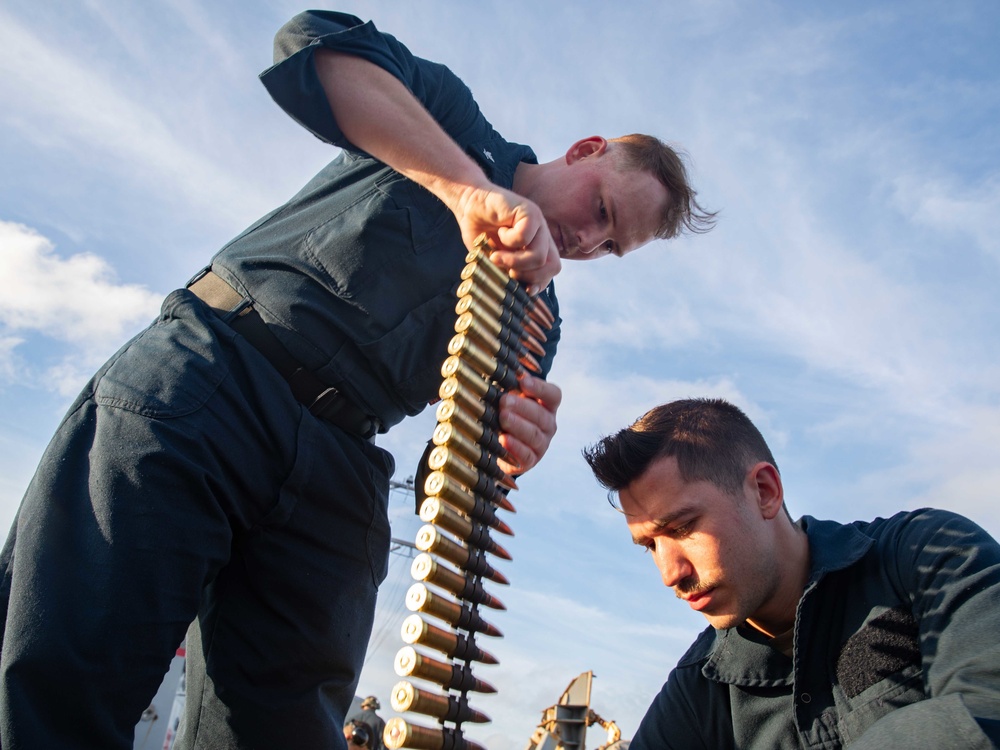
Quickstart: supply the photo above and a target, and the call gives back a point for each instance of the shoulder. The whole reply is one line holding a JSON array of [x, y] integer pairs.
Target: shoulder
[[918, 529]]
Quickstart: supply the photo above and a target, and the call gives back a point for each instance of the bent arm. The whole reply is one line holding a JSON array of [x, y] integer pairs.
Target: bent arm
[[353, 86], [380, 116]]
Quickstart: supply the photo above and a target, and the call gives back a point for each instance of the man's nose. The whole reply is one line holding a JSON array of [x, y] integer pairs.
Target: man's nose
[[671, 563], [590, 240]]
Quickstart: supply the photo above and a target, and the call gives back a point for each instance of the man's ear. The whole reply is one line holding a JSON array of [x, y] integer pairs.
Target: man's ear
[[594, 145], [765, 483]]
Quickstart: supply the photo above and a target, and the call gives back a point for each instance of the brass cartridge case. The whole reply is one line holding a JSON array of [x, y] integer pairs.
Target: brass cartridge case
[[416, 631], [470, 588], [488, 357], [406, 697], [480, 253], [419, 598], [482, 295], [482, 279], [493, 317], [499, 371], [454, 367], [466, 397], [400, 733], [448, 411], [489, 293], [507, 345], [496, 315], [410, 663], [465, 347], [441, 486], [436, 511], [429, 539], [445, 433], [480, 482]]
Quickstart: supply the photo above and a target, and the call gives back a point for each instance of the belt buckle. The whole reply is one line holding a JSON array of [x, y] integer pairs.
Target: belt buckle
[[333, 406]]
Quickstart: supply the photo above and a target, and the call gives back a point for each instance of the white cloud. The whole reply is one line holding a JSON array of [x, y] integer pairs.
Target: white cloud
[[74, 300]]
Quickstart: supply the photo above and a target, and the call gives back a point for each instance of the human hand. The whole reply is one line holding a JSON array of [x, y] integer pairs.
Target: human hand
[[523, 244], [528, 422]]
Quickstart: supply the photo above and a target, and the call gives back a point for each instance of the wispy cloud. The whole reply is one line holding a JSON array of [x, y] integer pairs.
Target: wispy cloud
[[59, 100]]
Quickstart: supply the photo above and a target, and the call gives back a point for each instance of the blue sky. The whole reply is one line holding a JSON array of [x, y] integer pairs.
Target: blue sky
[[847, 299]]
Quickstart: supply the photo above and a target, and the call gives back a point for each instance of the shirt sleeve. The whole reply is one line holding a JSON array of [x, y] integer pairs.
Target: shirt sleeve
[[950, 569], [689, 713], [294, 85]]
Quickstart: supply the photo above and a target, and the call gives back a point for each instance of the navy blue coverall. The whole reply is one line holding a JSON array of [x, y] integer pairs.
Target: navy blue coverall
[[187, 484]]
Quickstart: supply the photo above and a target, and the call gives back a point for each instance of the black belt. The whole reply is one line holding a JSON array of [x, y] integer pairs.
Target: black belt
[[321, 399]]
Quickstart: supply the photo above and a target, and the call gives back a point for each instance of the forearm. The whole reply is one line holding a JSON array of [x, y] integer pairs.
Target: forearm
[[380, 116]]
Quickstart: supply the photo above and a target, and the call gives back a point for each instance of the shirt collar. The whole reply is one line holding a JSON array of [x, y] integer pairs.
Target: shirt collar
[[743, 657]]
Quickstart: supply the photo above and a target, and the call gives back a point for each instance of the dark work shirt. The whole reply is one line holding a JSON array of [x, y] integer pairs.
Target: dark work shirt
[[356, 274], [896, 645]]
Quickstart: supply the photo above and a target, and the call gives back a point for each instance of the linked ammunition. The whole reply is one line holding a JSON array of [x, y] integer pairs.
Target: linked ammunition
[[400, 733], [458, 494], [505, 326], [449, 411], [429, 539], [419, 598], [484, 280], [440, 485], [496, 315], [483, 411], [481, 483], [470, 588], [445, 433], [416, 631], [502, 372], [454, 367], [489, 361], [518, 343], [409, 663], [405, 697], [490, 295], [480, 253], [434, 510]]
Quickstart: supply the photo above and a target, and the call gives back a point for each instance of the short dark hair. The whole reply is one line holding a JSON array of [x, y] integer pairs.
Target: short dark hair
[[711, 439], [647, 153]]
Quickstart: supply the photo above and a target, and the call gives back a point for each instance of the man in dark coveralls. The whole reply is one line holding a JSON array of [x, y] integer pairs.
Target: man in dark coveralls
[[219, 469], [870, 635]]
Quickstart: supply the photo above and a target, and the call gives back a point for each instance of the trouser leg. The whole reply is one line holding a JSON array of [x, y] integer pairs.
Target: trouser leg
[[280, 641], [130, 516]]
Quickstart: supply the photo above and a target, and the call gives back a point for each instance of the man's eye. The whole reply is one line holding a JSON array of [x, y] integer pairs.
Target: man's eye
[[609, 246]]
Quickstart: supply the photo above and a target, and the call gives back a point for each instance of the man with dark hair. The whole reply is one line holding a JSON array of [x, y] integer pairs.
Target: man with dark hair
[[221, 467], [871, 634]]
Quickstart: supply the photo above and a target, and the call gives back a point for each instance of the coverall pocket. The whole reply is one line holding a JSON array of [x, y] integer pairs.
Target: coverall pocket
[[170, 369], [895, 691]]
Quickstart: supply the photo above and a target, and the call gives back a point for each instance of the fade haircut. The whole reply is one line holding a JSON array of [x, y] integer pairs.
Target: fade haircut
[[711, 439], [646, 153]]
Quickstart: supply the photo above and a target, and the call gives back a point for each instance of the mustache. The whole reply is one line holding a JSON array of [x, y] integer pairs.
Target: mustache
[[692, 586]]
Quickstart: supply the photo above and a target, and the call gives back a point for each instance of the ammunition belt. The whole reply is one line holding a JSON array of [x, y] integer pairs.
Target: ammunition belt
[[498, 329]]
